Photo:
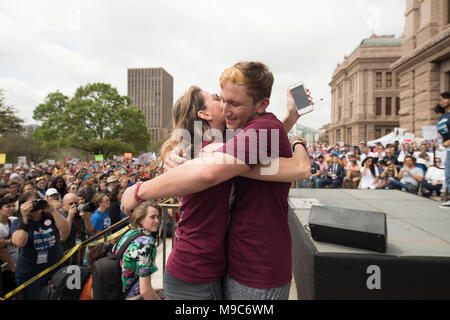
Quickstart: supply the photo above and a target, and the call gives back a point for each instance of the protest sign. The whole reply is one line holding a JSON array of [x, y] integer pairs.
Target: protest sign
[[22, 161], [98, 157], [2, 158], [430, 134], [128, 156]]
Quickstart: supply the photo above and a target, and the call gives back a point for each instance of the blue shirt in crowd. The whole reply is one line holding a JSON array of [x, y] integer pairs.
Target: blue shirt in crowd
[[101, 220]]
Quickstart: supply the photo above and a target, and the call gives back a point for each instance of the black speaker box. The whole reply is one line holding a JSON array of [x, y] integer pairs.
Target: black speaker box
[[349, 227]]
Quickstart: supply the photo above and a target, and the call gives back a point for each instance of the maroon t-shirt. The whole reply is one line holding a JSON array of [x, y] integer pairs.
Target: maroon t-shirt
[[259, 240], [199, 254]]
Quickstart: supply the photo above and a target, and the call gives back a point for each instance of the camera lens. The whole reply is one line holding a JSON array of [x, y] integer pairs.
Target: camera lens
[[39, 204]]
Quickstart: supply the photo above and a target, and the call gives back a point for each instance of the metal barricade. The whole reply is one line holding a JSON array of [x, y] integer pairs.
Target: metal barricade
[[165, 207]]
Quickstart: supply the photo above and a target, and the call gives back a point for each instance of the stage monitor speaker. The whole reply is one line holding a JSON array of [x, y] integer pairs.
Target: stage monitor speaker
[[349, 227]]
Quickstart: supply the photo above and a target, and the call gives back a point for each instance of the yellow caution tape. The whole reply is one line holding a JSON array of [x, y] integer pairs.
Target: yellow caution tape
[[67, 255], [113, 236], [43, 273]]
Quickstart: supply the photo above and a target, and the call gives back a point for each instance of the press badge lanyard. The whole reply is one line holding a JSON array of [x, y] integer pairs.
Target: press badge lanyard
[[42, 255]]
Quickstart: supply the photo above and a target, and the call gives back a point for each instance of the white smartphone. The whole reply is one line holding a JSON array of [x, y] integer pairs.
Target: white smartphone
[[301, 100]]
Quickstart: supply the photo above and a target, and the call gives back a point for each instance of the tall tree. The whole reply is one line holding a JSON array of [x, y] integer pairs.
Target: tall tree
[[96, 119], [9, 122]]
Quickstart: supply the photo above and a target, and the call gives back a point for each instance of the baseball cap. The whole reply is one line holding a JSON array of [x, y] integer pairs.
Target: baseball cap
[[112, 179], [14, 176], [51, 191]]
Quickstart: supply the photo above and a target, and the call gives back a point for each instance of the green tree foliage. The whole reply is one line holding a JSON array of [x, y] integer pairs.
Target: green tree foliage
[[15, 145], [9, 122], [96, 119]]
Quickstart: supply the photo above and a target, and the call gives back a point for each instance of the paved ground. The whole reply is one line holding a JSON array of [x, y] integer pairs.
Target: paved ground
[[157, 277]]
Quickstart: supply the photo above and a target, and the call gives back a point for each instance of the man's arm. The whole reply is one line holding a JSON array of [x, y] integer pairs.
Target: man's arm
[[193, 176], [86, 216], [446, 143], [416, 177], [61, 223], [20, 236], [289, 169]]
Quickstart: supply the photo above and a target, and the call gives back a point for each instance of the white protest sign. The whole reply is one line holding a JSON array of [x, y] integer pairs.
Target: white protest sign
[[409, 138], [22, 161], [430, 134]]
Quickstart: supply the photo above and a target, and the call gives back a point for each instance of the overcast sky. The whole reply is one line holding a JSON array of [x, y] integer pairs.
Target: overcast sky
[[60, 45]]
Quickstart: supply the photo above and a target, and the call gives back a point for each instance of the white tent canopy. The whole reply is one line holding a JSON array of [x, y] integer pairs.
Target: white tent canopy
[[398, 135], [387, 139]]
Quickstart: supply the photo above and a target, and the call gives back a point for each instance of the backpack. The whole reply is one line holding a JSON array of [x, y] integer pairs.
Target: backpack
[[107, 274], [58, 287]]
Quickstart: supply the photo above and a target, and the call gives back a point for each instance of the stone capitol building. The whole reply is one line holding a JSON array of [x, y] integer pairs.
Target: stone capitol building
[[389, 82]]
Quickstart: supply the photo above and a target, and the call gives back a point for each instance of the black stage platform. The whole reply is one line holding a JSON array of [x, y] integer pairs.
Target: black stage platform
[[416, 264]]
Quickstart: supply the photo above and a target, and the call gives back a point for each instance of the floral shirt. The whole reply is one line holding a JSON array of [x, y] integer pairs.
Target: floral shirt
[[138, 261]]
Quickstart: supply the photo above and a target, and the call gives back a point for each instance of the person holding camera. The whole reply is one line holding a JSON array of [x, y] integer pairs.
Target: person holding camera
[[79, 219], [38, 233]]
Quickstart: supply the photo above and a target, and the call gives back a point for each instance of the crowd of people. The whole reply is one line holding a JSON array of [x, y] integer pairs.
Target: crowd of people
[[232, 239], [47, 210], [409, 167]]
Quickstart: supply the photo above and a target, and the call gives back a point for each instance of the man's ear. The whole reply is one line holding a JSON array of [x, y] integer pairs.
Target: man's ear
[[204, 114], [263, 104]]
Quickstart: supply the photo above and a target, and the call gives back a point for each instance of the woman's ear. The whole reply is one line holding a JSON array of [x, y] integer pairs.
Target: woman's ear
[[204, 114]]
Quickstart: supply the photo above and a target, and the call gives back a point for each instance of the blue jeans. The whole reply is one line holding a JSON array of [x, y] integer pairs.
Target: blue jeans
[[307, 183], [401, 186], [334, 183], [447, 171], [428, 186]]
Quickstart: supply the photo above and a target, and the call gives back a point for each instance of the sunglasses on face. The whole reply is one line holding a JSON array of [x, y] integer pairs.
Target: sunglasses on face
[[215, 97]]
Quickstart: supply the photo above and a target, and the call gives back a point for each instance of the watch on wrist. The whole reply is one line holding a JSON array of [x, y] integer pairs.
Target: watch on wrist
[[299, 141]]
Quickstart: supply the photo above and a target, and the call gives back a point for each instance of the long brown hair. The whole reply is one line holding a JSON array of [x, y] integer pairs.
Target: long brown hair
[[185, 113], [141, 212]]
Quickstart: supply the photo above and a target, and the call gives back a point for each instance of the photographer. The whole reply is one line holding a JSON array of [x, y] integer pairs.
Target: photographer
[[38, 232], [80, 222]]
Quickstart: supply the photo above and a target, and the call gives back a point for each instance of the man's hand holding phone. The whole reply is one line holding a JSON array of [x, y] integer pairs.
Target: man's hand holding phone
[[300, 97]]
